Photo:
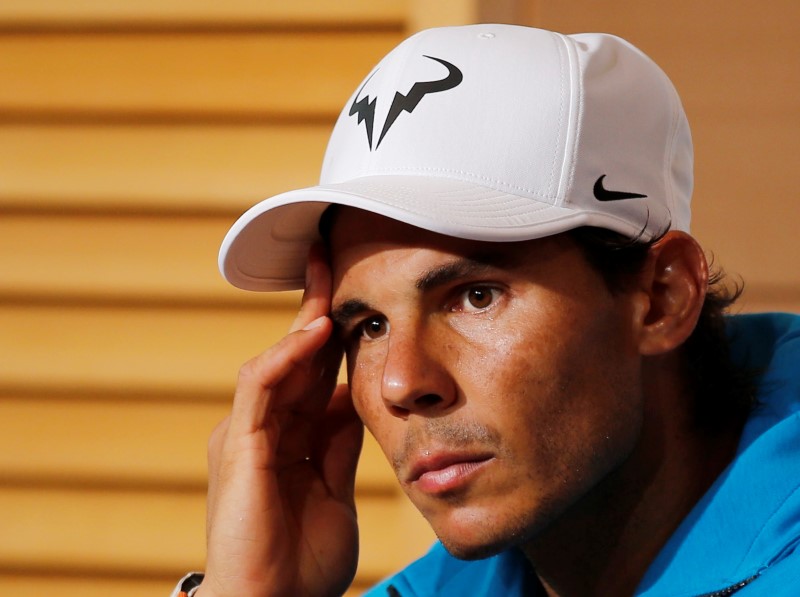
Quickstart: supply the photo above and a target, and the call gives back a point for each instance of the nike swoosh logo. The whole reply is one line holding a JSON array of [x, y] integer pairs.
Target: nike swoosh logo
[[603, 194]]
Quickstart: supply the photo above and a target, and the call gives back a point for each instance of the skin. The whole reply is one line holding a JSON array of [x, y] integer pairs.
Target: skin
[[537, 388], [520, 402], [281, 512]]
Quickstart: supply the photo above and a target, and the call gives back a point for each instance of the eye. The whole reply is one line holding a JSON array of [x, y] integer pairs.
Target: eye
[[477, 298], [374, 328]]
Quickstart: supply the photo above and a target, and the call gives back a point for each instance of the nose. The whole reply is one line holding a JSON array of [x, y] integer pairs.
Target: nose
[[416, 375]]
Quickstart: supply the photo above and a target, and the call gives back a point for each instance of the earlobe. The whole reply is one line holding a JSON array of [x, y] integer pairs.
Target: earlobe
[[675, 283]]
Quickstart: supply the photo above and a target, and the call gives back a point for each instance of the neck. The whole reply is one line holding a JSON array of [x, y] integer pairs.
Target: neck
[[604, 544]]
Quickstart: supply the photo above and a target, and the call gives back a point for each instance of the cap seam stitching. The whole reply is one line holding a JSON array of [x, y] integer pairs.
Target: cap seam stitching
[[466, 174], [560, 51], [669, 157]]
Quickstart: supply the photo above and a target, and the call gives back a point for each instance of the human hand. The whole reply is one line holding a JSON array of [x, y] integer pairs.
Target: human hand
[[281, 511]]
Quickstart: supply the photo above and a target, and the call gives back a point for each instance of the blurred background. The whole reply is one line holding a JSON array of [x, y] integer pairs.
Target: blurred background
[[132, 134]]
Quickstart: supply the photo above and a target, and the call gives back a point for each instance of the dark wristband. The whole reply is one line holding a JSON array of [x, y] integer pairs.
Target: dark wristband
[[190, 583]]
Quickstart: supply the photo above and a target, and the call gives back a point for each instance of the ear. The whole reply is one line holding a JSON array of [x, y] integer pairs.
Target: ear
[[674, 284]]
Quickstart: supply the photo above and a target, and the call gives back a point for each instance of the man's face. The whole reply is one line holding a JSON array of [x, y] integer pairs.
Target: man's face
[[501, 380]]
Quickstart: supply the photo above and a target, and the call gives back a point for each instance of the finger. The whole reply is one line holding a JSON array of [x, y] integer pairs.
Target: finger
[[317, 294], [323, 371], [337, 451], [215, 443], [259, 377]]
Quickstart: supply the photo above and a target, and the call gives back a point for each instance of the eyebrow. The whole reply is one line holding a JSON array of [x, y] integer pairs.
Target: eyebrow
[[349, 309], [463, 267]]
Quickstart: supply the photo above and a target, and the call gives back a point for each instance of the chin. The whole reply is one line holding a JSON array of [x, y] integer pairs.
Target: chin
[[470, 531], [477, 538], [474, 552]]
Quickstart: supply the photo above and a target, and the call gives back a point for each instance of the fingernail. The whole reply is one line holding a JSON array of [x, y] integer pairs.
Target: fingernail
[[316, 323]]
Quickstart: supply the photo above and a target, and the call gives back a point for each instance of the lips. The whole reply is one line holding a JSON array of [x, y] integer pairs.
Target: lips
[[445, 472]]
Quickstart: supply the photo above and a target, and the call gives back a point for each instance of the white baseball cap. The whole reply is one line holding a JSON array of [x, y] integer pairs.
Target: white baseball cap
[[493, 133]]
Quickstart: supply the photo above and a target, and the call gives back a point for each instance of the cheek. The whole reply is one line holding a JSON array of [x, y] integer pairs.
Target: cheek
[[482, 353], [589, 401], [387, 430], [561, 372], [364, 378]]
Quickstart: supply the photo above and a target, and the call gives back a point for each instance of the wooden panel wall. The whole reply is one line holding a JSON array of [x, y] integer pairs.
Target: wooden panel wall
[[131, 136], [133, 133]]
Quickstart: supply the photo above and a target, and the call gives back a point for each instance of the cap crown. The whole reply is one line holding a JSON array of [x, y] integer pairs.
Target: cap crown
[[527, 112], [488, 132]]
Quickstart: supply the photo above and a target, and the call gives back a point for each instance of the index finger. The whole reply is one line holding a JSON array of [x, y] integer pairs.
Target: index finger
[[279, 377], [317, 294]]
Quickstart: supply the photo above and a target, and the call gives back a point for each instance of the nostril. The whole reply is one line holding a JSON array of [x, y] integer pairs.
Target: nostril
[[399, 411], [428, 400]]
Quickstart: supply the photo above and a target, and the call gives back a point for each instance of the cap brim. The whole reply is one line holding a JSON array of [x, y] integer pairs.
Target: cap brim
[[267, 247]]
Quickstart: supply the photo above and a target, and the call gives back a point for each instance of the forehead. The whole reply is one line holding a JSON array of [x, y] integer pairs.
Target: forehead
[[357, 237], [349, 225], [355, 234]]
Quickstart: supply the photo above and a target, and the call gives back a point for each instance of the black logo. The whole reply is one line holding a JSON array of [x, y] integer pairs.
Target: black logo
[[602, 194], [365, 108]]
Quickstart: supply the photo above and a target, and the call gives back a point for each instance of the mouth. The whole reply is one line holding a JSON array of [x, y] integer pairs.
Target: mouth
[[445, 472]]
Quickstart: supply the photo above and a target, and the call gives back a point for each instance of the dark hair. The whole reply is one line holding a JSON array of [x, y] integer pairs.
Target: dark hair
[[723, 392], [325, 224]]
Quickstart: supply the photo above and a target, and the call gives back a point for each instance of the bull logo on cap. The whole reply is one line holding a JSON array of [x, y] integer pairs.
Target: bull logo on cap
[[365, 108]]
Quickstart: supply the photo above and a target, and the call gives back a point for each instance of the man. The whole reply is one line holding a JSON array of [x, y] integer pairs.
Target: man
[[499, 247]]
